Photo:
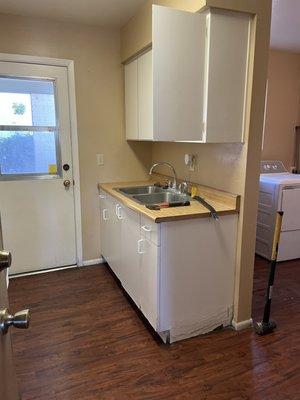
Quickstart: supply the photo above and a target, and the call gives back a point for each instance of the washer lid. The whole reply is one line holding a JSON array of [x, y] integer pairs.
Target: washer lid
[[283, 178]]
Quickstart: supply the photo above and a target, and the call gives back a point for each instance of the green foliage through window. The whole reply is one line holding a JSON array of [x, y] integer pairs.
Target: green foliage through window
[[19, 108], [17, 153]]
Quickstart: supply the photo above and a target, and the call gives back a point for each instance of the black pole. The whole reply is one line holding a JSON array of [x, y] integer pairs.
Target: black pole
[[267, 326], [267, 310]]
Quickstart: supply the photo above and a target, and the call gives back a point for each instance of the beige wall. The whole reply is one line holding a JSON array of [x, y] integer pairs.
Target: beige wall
[[231, 167], [99, 92], [283, 107]]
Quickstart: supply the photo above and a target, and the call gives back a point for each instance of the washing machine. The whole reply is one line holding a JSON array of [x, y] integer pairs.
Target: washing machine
[[279, 190]]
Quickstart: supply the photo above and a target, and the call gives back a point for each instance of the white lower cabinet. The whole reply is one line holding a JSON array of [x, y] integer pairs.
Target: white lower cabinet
[[110, 229], [129, 245], [149, 279], [129, 263], [104, 225], [180, 273], [114, 236]]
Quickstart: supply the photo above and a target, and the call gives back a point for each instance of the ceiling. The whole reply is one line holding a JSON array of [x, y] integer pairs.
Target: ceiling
[[108, 13], [285, 30]]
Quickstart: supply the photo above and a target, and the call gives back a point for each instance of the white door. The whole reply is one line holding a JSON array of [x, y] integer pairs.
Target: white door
[[8, 379], [36, 180]]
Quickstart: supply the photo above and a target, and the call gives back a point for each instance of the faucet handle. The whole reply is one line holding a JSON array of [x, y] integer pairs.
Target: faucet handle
[[184, 187], [166, 184], [171, 185]]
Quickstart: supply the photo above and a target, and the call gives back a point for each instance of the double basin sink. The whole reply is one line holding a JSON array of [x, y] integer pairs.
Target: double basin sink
[[150, 195]]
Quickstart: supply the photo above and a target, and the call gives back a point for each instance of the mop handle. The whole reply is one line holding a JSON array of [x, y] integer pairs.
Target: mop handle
[[267, 309], [276, 235]]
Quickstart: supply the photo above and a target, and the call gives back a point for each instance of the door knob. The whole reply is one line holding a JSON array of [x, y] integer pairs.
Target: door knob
[[5, 260], [19, 320], [67, 183]]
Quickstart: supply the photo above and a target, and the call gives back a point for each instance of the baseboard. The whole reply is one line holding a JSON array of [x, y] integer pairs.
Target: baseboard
[[96, 261], [238, 326], [42, 271], [86, 263]]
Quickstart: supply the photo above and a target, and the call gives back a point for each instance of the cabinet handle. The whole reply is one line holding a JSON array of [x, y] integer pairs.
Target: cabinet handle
[[102, 196], [146, 228], [119, 211], [104, 214], [120, 216], [140, 242]]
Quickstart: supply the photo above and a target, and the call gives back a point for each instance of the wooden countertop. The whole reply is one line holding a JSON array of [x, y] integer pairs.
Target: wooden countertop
[[223, 202]]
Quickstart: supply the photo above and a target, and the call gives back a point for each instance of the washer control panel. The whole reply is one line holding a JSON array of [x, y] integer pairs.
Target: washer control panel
[[272, 167]]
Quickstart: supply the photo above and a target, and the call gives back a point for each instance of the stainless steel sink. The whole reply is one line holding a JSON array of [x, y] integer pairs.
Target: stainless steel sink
[[157, 198], [140, 190], [152, 195]]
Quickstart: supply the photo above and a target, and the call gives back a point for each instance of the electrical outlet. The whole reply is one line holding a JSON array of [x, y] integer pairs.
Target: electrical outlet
[[192, 164], [190, 160], [100, 159]]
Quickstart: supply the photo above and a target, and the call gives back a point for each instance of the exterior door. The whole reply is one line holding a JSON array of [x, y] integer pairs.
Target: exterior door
[[36, 178], [8, 381]]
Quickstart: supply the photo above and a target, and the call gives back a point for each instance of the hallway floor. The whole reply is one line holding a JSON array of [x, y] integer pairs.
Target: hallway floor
[[86, 342]]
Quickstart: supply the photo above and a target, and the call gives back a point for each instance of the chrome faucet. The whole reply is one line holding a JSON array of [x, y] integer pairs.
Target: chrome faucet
[[174, 184]]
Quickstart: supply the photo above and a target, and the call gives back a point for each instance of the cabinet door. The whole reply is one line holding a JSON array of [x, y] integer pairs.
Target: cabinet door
[[114, 237], [149, 280], [130, 271], [131, 100], [104, 226], [145, 96], [178, 74], [226, 80]]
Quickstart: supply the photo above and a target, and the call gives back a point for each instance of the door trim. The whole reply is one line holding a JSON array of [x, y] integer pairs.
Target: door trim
[[69, 64]]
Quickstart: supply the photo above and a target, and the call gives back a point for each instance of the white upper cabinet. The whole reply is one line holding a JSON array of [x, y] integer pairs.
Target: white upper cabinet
[[227, 58], [192, 86], [178, 74], [145, 96]]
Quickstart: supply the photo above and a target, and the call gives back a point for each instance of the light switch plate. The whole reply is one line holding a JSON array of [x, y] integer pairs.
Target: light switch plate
[[100, 159]]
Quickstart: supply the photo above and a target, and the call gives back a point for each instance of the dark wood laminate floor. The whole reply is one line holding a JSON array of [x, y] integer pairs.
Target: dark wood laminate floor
[[86, 342]]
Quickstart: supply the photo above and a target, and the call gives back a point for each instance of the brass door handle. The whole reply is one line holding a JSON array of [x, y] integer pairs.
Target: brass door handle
[[5, 260], [19, 320], [67, 183]]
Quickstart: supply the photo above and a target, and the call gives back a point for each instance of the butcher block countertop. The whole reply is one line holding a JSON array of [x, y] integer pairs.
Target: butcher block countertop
[[223, 202]]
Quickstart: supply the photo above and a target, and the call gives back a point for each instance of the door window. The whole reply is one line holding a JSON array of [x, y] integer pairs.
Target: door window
[[29, 135]]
